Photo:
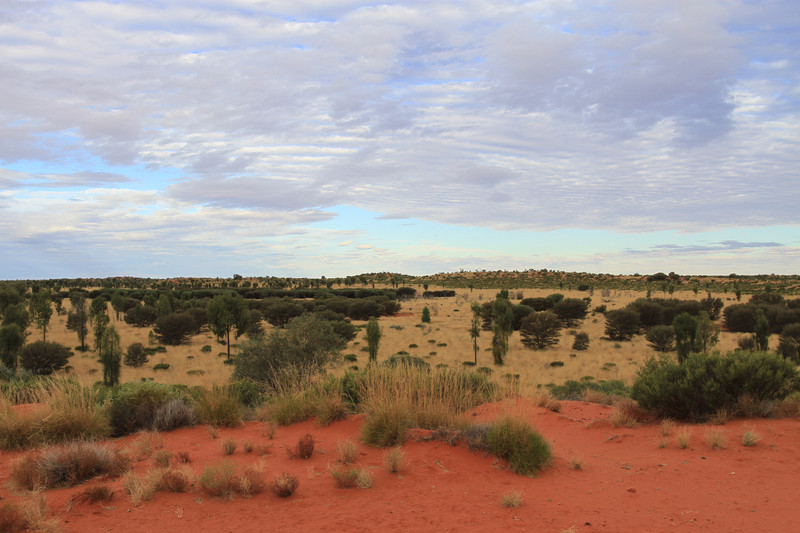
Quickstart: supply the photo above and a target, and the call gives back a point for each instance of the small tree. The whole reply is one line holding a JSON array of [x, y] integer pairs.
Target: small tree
[[100, 321], [41, 311], [226, 312], [581, 341], [11, 340], [540, 330], [475, 330], [685, 326], [175, 328], [789, 343], [373, 338], [135, 356], [707, 333], [502, 327], [571, 311], [17, 314], [661, 338], [78, 317], [761, 331], [110, 355], [44, 358], [426, 315]]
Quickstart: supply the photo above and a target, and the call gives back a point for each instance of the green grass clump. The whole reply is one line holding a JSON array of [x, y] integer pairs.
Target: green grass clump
[[526, 451]]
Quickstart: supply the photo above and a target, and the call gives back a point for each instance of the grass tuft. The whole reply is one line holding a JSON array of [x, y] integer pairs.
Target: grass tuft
[[347, 451], [395, 460], [285, 484], [750, 438], [716, 439], [526, 451], [512, 499]]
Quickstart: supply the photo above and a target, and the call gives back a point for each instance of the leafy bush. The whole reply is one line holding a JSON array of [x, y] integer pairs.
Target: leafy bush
[[175, 328], [135, 356], [661, 338], [526, 451], [161, 366], [136, 406], [704, 384], [576, 390], [581, 341], [405, 359], [44, 358], [622, 324], [571, 310]]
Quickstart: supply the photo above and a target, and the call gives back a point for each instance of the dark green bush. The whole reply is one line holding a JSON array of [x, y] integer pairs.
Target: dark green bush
[[581, 341], [704, 384], [622, 324], [134, 405], [574, 390], [43, 358], [526, 451], [135, 356]]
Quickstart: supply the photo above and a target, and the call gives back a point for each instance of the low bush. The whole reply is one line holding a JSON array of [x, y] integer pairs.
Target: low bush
[[526, 451], [135, 405], [581, 341], [285, 484], [219, 479], [304, 448], [345, 477], [12, 519], [705, 384]]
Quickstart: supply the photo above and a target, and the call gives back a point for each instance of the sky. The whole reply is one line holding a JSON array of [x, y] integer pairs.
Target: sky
[[300, 138]]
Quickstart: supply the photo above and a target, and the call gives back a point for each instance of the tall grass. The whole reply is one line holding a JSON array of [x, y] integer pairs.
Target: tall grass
[[67, 411], [398, 397], [219, 406]]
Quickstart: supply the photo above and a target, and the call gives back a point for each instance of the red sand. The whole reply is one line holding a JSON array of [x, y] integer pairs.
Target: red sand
[[627, 483]]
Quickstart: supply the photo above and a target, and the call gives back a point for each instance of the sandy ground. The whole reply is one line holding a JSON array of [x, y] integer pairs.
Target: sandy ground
[[630, 479]]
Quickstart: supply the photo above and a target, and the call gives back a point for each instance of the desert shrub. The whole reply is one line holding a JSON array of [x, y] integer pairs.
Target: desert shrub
[[347, 451], [248, 392], [251, 482], [44, 358], [307, 345], [426, 315], [789, 343], [228, 446], [95, 494], [175, 328], [285, 484], [175, 480], [173, 414], [219, 479], [405, 359], [704, 384], [581, 341], [141, 316], [12, 518], [512, 499], [540, 330], [661, 338], [135, 355], [538, 304], [526, 451], [66, 465], [304, 448], [134, 406], [386, 425], [345, 477], [161, 366], [577, 390], [622, 324], [218, 406]]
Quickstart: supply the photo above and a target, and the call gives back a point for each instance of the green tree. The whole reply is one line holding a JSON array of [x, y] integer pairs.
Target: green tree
[[502, 327], [426, 315], [761, 331], [41, 311], [78, 317], [789, 342], [475, 330], [17, 314], [44, 358], [175, 328], [135, 356], [707, 333], [226, 312], [11, 340], [306, 346], [110, 355], [540, 330], [99, 321], [8, 296], [661, 338], [373, 339], [685, 326], [622, 324], [117, 304]]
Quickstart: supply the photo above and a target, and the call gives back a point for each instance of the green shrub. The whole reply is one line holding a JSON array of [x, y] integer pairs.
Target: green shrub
[[135, 356], [44, 358], [581, 341], [134, 405], [206, 348], [526, 451], [161, 366], [705, 384], [575, 390], [408, 360]]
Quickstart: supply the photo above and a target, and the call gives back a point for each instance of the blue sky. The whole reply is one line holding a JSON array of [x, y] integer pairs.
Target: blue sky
[[308, 138]]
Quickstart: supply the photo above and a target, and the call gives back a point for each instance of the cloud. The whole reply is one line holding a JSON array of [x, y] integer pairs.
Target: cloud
[[626, 116]]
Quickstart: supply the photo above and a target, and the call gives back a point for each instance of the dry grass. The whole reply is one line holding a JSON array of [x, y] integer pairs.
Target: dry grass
[[750, 437], [395, 460], [304, 448], [145, 444], [284, 484], [347, 450], [716, 439], [512, 499], [682, 437], [219, 479], [626, 413], [576, 463], [96, 494], [252, 481], [12, 518], [138, 488], [668, 427], [345, 477], [162, 458], [66, 465], [228, 446]]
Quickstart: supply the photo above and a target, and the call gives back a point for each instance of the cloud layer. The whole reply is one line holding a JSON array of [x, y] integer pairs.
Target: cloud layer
[[147, 118]]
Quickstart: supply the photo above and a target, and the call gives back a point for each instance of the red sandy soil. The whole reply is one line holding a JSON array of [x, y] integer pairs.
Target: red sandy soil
[[626, 483]]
